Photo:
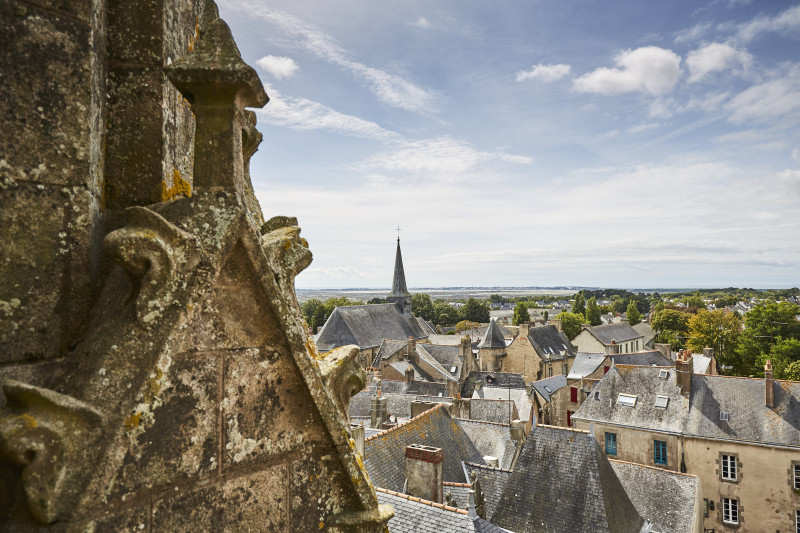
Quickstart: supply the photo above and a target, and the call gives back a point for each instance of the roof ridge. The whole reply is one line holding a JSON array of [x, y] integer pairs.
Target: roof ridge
[[483, 421], [574, 430], [488, 467], [420, 500], [643, 366], [652, 467], [454, 484], [404, 423]]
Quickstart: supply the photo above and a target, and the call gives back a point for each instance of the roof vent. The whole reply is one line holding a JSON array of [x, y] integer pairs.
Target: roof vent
[[724, 416], [597, 395]]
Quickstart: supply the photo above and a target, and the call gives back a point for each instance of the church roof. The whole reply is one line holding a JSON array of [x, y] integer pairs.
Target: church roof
[[367, 326], [494, 337], [399, 281]]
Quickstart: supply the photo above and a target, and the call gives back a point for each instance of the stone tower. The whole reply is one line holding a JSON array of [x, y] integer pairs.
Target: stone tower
[[155, 372], [400, 295]]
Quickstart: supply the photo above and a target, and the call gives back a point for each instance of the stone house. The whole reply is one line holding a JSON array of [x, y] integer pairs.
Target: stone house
[[492, 349], [600, 338], [539, 352], [740, 436]]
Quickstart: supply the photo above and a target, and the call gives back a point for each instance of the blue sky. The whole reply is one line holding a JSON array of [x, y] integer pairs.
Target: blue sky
[[618, 143]]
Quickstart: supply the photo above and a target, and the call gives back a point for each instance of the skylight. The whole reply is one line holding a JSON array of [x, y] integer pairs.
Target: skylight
[[628, 400], [547, 388], [452, 370], [597, 395], [663, 374], [662, 401], [724, 416]]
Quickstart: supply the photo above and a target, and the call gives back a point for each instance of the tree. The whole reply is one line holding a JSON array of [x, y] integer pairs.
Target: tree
[[422, 306], [545, 315], [619, 304], [784, 354], [521, 314], [496, 299], [694, 301], [571, 324], [765, 326], [475, 311], [671, 325], [593, 312], [580, 304], [465, 325], [633, 314], [445, 314], [792, 371], [314, 313], [716, 329]]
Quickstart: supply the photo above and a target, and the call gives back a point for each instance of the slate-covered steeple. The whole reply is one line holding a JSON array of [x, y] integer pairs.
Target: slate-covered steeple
[[400, 295]]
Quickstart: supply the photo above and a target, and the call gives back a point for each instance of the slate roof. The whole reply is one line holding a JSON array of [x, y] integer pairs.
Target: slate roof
[[519, 396], [585, 363], [564, 482], [641, 358], [438, 371], [496, 379], [749, 418], [669, 505], [554, 383], [619, 332], [398, 405], [427, 388], [645, 384], [490, 439], [497, 411], [494, 337], [550, 343], [412, 515], [459, 492], [426, 326], [445, 340], [700, 363], [388, 348], [446, 356], [419, 374], [367, 326], [384, 454], [493, 481], [646, 330]]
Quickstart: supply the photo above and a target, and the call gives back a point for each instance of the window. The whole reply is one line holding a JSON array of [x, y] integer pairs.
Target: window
[[730, 511], [573, 394], [597, 395], [628, 400], [452, 370], [550, 371], [611, 443], [796, 471], [662, 401], [724, 416], [728, 467], [663, 374], [605, 370], [569, 419], [797, 521], [660, 452], [564, 369]]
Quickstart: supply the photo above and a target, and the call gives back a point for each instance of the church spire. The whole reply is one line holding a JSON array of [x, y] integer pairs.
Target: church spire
[[400, 295]]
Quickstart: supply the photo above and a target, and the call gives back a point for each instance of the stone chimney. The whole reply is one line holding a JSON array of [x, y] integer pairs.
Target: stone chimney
[[409, 375], [683, 372], [708, 352], [377, 409], [465, 346], [613, 348], [524, 329], [769, 385], [478, 384], [357, 431], [665, 349], [557, 323], [411, 349], [518, 431], [424, 472]]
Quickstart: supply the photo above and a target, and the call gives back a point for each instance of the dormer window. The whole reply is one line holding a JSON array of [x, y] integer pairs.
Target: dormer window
[[662, 401], [628, 400]]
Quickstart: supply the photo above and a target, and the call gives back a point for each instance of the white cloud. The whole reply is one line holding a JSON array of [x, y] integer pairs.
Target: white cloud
[[790, 179], [796, 154], [692, 34], [662, 108], [771, 100], [638, 128], [390, 89], [647, 69], [278, 66], [710, 102], [303, 114], [787, 22], [545, 73], [422, 22], [715, 57]]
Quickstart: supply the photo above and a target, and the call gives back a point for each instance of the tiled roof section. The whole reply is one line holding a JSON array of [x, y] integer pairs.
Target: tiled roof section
[[426, 326], [584, 364], [391, 387], [494, 337], [419, 374], [399, 280], [749, 419], [459, 492], [619, 332], [646, 330], [671, 506], [398, 405], [384, 454], [493, 481], [367, 326], [645, 383], [564, 482], [445, 340], [700, 363], [447, 356], [494, 379], [438, 372], [519, 396], [497, 411], [427, 388], [412, 515], [650, 358], [547, 386], [389, 348], [490, 439], [550, 343]]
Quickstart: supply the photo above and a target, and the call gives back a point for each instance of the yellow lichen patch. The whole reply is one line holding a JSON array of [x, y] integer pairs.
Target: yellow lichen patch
[[154, 387], [321, 525], [132, 421], [180, 187], [312, 349], [287, 244], [304, 242]]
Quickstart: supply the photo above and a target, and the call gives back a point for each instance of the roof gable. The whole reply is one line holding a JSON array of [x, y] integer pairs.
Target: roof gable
[[617, 332], [494, 337], [367, 326], [550, 343]]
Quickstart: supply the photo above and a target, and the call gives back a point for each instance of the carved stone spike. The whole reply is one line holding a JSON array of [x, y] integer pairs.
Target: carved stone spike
[[149, 249], [45, 432], [342, 375], [286, 250]]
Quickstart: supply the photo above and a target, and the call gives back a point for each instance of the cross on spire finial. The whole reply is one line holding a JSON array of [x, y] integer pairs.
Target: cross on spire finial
[[398, 233]]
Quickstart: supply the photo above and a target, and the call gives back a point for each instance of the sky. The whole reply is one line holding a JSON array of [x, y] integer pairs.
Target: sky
[[531, 143]]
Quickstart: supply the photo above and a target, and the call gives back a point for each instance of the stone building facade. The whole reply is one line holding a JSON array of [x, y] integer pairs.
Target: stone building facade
[[155, 369]]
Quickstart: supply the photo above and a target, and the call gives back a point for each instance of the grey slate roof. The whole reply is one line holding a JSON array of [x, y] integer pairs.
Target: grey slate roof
[[490, 439], [426, 388], [388, 348], [646, 330], [749, 418], [494, 379], [493, 483], [446, 356], [585, 363], [419, 374], [553, 383], [494, 337], [662, 496], [367, 326], [645, 384], [700, 363], [519, 396], [426, 326], [445, 340], [384, 454], [564, 482], [497, 411], [398, 405], [641, 358], [412, 516], [619, 332], [550, 343]]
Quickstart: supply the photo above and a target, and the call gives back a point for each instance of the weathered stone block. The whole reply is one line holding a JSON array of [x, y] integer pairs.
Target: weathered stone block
[[138, 31], [128, 521], [317, 479]]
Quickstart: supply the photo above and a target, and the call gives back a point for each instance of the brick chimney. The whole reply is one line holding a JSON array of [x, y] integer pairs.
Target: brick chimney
[[769, 385], [683, 372], [424, 472]]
